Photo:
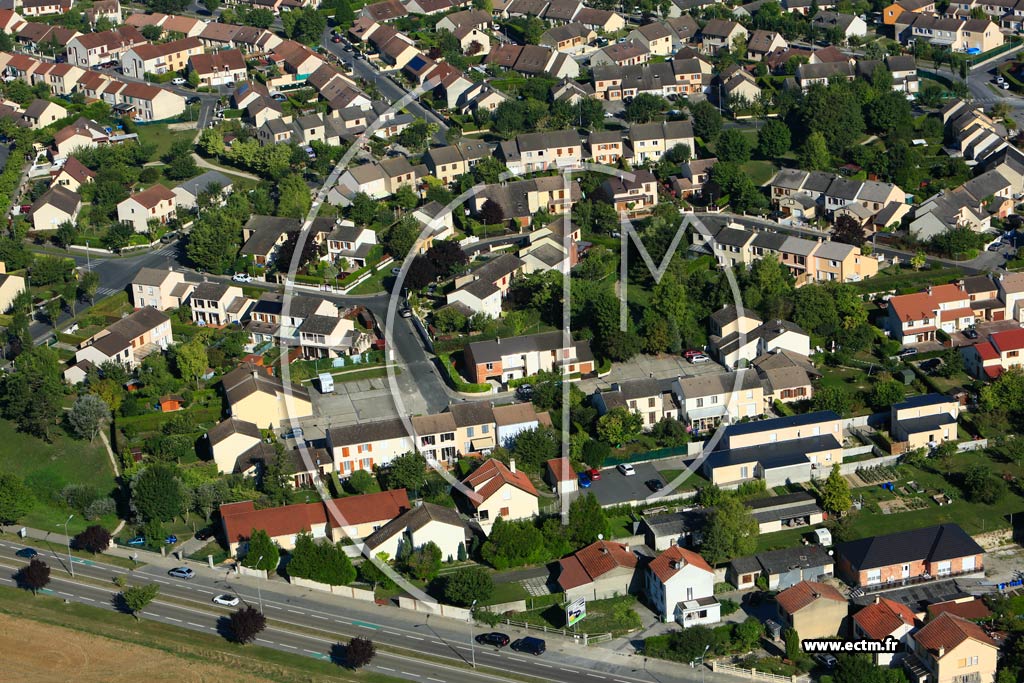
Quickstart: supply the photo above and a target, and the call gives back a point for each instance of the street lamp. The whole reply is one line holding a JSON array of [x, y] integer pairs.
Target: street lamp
[[71, 566], [259, 593], [706, 647], [472, 643]]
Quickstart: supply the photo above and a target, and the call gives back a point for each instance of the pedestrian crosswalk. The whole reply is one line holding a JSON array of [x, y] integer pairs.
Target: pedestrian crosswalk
[[167, 251], [107, 291]]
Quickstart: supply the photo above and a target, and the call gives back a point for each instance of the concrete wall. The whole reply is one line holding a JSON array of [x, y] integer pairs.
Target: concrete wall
[[434, 608], [851, 467], [343, 591], [246, 571]]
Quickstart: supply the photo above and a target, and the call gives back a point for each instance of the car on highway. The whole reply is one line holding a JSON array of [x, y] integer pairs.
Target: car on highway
[[241, 277], [655, 484], [27, 553], [181, 573], [530, 645], [626, 469], [594, 474], [178, 81], [171, 540], [584, 480], [227, 600], [495, 639], [138, 540]]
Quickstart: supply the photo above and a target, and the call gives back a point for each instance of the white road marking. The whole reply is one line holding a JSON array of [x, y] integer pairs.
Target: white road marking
[[392, 633], [295, 611], [89, 599], [292, 647], [546, 666], [414, 637], [263, 640], [437, 642], [274, 606], [317, 616], [406, 673], [192, 623], [595, 676], [67, 594], [619, 680], [384, 668], [562, 668], [368, 628], [173, 619], [312, 652], [435, 679], [202, 590]]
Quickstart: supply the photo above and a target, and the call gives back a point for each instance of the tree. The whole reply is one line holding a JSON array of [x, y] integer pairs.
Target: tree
[[424, 562], [707, 121], [16, 499], [408, 471], [449, 320], [710, 495], [66, 234], [918, 260], [514, 544], [87, 416], [32, 393], [192, 360], [468, 585], [731, 531], [889, 114], [401, 238], [416, 136], [246, 624], [848, 231], [814, 155], [447, 257], [982, 486], [773, 139], [293, 198], [344, 16], [151, 32], [211, 5], [644, 108], [359, 652], [858, 668], [137, 598], [491, 213], [831, 398], [362, 482], [835, 493], [792, 639], [733, 146], [94, 539], [262, 552], [587, 521], [370, 573], [534, 447], [35, 575], [885, 393], [157, 493], [596, 452], [619, 426]]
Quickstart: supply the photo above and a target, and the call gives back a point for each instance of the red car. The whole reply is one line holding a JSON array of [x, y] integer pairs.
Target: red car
[[594, 474], [691, 353], [336, 39]]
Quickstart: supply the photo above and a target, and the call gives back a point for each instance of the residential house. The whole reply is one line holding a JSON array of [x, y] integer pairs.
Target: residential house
[[351, 243], [155, 203], [265, 235], [949, 649], [160, 289], [483, 289], [10, 287], [159, 58], [91, 49], [925, 421], [218, 185], [984, 295], [1011, 291], [572, 38], [230, 441], [680, 586], [561, 476], [515, 357], [882, 619], [812, 609], [219, 68], [449, 162], [786, 376], [54, 207], [782, 568], [531, 152], [683, 528], [629, 53], [650, 141], [550, 248], [601, 20], [218, 304], [473, 18], [426, 523], [601, 570], [366, 445], [719, 34], [836, 23], [739, 348], [631, 197], [762, 43], [706, 400], [521, 200], [937, 551], [42, 113], [513, 419], [652, 399], [915, 318], [779, 450], [257, 397], [42, 8], [72, 175], [892, 12], [990, 358], [500, 491], [808, 75], [126, 342], [656, 37], [789, 510]]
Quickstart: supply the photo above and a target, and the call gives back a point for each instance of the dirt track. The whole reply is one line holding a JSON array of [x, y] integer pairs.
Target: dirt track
[[40, 653]]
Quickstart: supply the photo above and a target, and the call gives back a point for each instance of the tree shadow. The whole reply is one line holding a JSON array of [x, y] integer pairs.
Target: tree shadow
[[224, 629], [338, 654], [118, 602]]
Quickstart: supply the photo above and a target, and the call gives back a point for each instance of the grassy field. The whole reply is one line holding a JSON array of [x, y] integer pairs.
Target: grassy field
[[374, 283], [101, 645], [158, 134], [614, 615], [49, 467]]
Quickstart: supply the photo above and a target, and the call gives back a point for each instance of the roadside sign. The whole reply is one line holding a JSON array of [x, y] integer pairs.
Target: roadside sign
[[575, 611]]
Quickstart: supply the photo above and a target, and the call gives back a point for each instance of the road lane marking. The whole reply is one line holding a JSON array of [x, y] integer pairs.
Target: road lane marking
[[546, 666], [312, 652], [317, 616], [414, 637], [406, 673], [89, 599], [264, 640], [173, 619], [292, 647], [436, 679], [595, 676], [295, 611], [619, 680], [192, 623], [392, 633], [562, 668], [384, 668]]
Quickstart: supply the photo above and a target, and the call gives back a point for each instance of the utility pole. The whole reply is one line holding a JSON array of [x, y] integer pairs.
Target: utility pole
[[71, 566]]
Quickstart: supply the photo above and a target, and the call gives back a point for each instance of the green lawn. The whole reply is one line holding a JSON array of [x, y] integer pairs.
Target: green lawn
[[374, 283], [49, 467], [507, 592], [614, 615], [48, 548], [159, 135], [759, 170]]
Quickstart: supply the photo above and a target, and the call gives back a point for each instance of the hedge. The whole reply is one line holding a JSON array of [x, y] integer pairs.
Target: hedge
[[456, 381]]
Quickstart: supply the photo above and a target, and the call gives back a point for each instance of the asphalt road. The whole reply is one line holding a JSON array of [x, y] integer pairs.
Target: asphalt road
[[391, 91], [310, 626]]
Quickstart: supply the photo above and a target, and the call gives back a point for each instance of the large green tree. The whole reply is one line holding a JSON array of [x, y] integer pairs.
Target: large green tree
[[731, 532], [16, 498], [467, 585], [157, 493], [587, 521], [32, 393], [835, 493], [262, 552], [408, 471]]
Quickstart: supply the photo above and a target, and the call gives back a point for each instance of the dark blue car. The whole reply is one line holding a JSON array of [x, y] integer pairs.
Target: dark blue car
[[584, 480]]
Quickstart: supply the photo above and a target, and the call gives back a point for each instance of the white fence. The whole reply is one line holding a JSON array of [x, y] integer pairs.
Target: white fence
[[857, 450], [343, 591], [434, 608], [755, 675], [246, 571]]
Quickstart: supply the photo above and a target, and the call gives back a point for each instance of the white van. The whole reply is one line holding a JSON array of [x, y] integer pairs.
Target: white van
[[823, 536], [326, 381]]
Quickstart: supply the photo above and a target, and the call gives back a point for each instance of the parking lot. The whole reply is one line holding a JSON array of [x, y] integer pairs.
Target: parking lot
[[364, 400], [614, 488], [984, 330]]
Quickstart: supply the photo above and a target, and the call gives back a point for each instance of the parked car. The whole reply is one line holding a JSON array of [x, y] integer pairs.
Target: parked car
[[293, 434], [909, 351], [138, 540], [655, 484], [192, 100], [699, 358], [594, 474], [995, 246], [242, 277], [336, 39], [27, 553], [171, 540], [971, 333], [693, 353], [226, 599], [405, 312], [204, 534], [827, 661], [584, 480], [626, 469], [931, 365], [530, 645], [495, 639], [396, 270], [524, 392], [178, 81], [181, 573]]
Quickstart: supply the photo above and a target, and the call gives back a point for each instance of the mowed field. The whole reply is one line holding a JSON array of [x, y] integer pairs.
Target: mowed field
[[42, 653]]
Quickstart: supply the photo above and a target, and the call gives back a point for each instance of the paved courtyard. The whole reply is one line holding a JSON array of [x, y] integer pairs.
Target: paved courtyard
[[364, 400], [613, 487], [643, 367]]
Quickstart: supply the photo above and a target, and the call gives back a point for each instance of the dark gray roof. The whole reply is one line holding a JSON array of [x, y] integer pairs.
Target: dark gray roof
[[942, 542], [471, 413], [319, 324], [247, 380], [152, 277], [414, 519], [230, 426], [60, 197], [729, 313], [201, 182], [786, 559], [680, 522], [778, 423], [494, 349], [774, 455], [210, 291], [923, 400], [919, 425], [365, 432]]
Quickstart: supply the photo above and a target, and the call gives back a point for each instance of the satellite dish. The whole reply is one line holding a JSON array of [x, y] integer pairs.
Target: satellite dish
[[600, 537]]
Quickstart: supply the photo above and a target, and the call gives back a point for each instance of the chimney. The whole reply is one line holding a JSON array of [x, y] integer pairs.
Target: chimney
[[942, 652], [512, 465], [878, 599], [625, 546]]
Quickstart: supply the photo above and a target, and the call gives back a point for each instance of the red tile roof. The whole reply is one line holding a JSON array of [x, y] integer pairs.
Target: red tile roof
[[593, 562], [152, 196], [883, 618], [490, 477], [924, 304], [969, 609], [1008, 340], [986, 351], [805, 593], [947, 630], [369, 507], [670, 562], [561, 469]]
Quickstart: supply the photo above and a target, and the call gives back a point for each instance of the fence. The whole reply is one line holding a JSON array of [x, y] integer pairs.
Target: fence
[[852, 467], [976, 445], [587, 638], [434, 608], [755, 675], [655, 455], [343, 591], [246, 571]]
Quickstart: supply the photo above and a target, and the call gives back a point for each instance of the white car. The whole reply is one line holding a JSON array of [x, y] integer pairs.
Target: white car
[[626, 469], [227, 600], [699, 358], [242, 277], [178, 81]]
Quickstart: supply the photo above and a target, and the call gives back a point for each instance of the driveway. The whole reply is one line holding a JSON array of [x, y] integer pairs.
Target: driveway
[[984, 330], [613, 488]]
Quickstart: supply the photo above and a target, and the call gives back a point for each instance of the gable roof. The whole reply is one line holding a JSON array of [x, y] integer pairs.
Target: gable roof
[[941, 542], [594, 561], [60, 197], [152, 196], [883, 617], [232, 425], [806, 593], [672, 561], [946, 631], [245, 381], [413, 520], [490, 477]]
